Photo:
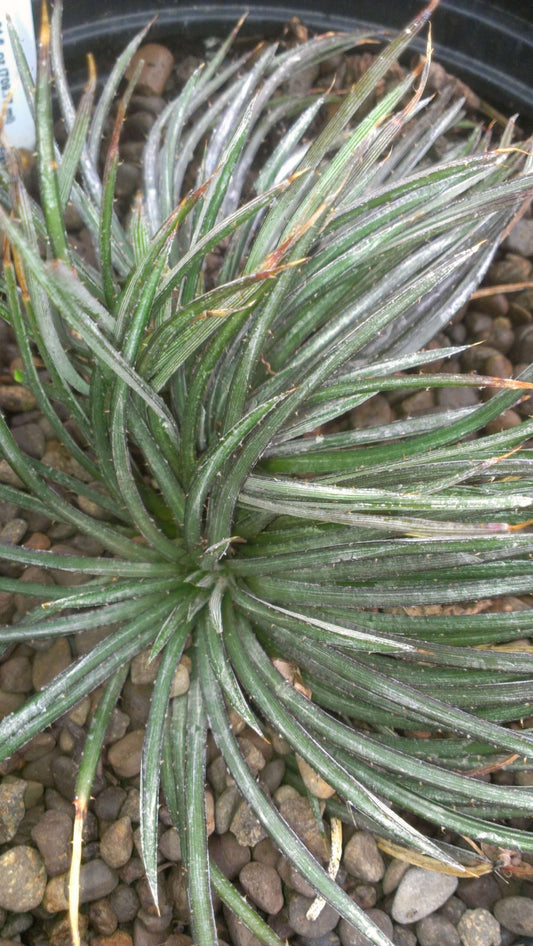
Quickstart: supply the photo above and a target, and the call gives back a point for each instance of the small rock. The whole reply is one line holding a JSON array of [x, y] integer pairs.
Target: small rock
[[520, 239], [272, 775], [13, 531], [228, 854], [15, 673], [60, 934], [239, 934], [516, 914], [102, 917], [479, 928], [30, 439], [298, 813], [404, 936], [125, 903], [263, 885], [225, 807], [22, 879], [325, 921], [15, 398], [479, 891], [65, 773], [349, 936], [48, 663], [421, 892], [53, 836], [170, 845], [118, 726], [11, 807], [362, 857], [119, 938], [314, 782], [436, 930], [125, 755], [513, 268], [246, 827], [158, 62], [372, 413], [393, 874], [116, 844]]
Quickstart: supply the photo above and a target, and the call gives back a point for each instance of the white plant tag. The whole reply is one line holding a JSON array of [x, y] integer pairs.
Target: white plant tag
[[19, 128]]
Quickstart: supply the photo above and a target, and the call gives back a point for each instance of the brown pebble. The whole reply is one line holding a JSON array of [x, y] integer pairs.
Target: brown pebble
[[125, 755], [119, 938], [38, 541], [15, 398], [158, 62], [263, 885], [505, 421]]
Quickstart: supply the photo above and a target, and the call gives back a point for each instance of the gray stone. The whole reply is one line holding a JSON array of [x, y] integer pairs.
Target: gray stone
[[124, 902], [325, 921], [479, 928], [328, 939], [11, 807], [262, 884], [479, 891], [349, 936], [22, 879], [436, 930], [362, 858], [108, 803], [421, 892], [516, 914], [225, 808], [96, 880], [53, 836], [403, 936], [30, 439], [520, 239]]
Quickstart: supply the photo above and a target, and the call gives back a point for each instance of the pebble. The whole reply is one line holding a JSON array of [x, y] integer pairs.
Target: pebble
[[102, 917], [158, 62], [225, 808], [15, 398], [362, 857], [263, 885], [48, 663], [421, 892], [516, 914], [116, 844], [325, 921], [246, 827], [436, 930], [513, 268], [393, 874], [53, 836], [314, 782], [12, 807], [479, 928], [65, 773], [125, 903], [119, 938], [22, 879], [297, 811], [7, 610], [228, 854], [404, 937], [125, 755], [239, 934], [479, 891], [13, 531], [170, 845], [520, 239], [31, 440], [349, 936]]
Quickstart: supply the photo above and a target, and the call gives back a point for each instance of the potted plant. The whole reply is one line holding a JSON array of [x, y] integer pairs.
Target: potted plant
[[277, 575]]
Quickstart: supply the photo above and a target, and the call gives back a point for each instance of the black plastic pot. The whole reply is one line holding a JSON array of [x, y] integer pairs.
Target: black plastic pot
[[488, 43]]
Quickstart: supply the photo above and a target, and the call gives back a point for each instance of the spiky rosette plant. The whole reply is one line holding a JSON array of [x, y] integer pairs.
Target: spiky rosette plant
[[297, 564]]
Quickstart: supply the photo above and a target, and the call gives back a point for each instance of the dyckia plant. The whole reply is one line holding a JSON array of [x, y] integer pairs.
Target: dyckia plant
[[293, 560]]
